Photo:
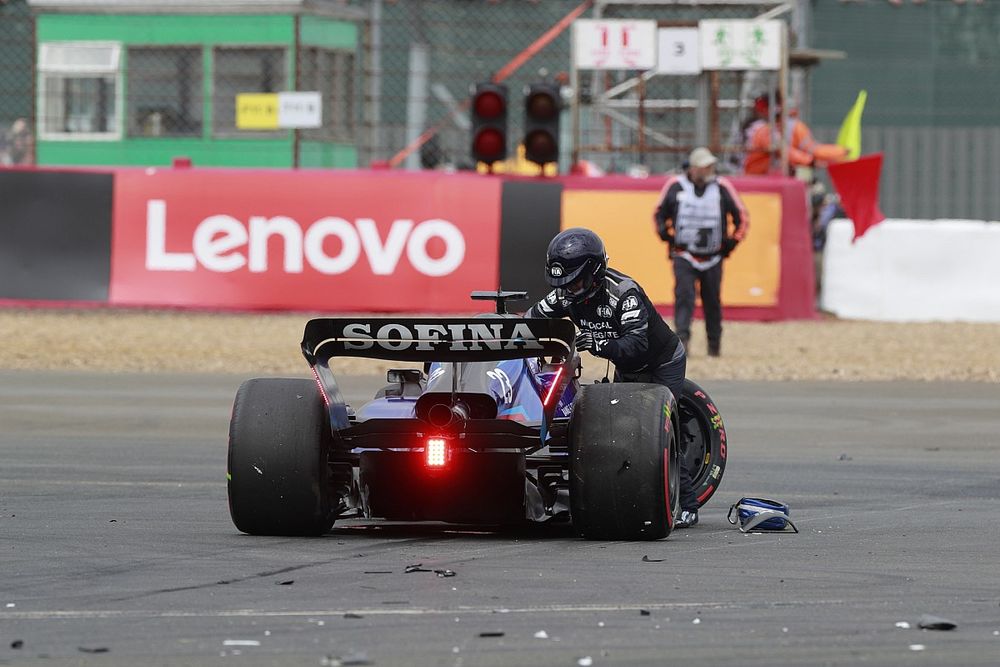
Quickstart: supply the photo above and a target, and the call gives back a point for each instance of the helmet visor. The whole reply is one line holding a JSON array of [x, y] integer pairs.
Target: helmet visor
[[582, 288]]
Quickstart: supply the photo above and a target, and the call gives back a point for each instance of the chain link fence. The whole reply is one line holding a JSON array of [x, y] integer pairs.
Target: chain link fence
[[126, 87], [434, 50], [140, 89], [16, 84], [933, 90]]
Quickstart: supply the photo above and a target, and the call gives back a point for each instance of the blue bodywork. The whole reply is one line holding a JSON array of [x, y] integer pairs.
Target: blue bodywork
[[517, 385]]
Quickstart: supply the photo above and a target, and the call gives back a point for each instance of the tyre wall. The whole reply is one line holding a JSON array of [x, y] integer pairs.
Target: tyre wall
[[358, 241]]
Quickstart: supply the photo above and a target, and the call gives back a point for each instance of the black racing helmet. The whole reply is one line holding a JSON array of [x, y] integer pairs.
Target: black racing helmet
[[576, 263]]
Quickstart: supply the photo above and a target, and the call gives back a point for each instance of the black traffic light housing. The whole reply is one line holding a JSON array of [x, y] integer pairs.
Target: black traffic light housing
[[542, 106], [489, 122]]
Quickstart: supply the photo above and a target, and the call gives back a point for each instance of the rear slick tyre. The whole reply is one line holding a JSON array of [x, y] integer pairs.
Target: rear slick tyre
[[624, 474], [278, 449]]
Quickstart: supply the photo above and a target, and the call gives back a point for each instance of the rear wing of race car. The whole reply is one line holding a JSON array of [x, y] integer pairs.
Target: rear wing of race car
[[437, 339], [433, 339]]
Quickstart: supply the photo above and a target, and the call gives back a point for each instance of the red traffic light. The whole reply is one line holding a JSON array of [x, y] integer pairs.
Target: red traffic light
[[489, 145], [488, 105]]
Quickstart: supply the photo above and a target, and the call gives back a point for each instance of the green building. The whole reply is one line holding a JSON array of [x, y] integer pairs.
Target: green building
[[140, 82]]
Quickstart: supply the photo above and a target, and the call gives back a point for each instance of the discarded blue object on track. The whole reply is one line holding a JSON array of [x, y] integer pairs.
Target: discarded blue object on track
[[760, 514]]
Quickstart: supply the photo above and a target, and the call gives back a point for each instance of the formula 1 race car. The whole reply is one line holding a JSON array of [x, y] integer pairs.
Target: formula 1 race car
[[494, 429]]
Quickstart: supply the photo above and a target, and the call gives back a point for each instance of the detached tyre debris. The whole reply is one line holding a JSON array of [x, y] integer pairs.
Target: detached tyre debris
[[703, 440]]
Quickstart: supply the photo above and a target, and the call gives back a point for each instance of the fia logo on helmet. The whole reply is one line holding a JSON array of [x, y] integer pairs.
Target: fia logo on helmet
[[556, 270]]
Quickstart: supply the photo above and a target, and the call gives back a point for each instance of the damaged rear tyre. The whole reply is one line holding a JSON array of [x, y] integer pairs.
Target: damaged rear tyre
[[279, 441], [624, 481]]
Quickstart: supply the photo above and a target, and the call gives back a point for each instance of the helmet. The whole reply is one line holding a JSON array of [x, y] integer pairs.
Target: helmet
[[576, 263], [762, 102], [760, 514]]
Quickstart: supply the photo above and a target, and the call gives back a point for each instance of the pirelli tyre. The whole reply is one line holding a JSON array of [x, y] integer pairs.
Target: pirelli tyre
[[624, 482], [702, 439], [278, 475]]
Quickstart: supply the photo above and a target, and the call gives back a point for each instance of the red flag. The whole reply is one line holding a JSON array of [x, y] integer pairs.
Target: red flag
[[857, 184]]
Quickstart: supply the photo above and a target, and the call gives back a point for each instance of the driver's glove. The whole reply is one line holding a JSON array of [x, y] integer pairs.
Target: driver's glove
[[585, 341]]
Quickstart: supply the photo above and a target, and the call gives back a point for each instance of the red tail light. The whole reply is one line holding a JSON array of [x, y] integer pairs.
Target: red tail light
[[322, 389], [436, 451], [552, 387]]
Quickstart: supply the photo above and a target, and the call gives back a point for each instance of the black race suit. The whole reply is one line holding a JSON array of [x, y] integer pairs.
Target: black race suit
[[639, 343]]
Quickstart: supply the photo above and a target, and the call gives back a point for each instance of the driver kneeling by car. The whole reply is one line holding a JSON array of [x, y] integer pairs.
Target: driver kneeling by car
[[616, 322]]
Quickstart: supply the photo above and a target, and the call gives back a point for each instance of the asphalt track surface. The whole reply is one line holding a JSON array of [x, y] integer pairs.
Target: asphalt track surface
[[117, 548]]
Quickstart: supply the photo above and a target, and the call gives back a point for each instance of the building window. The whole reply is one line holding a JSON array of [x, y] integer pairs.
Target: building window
[[78, 84], [164, 91], [331, 73], [244, 70]]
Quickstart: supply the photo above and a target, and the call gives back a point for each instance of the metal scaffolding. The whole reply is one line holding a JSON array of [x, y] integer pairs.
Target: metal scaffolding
[[649, 114]]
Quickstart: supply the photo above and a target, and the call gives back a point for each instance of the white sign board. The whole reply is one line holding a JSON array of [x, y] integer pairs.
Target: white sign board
[[678, 48], [300, 110], [614, 44], [741, 44]]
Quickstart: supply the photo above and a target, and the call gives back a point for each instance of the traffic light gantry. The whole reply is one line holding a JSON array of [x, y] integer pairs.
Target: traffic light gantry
[[489, 117]]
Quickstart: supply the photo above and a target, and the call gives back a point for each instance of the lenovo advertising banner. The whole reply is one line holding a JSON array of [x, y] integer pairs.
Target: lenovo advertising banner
[[324, 241]]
